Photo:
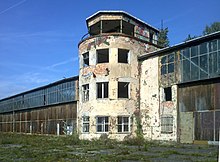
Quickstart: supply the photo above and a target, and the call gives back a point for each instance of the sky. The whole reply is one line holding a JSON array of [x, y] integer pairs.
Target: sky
[[39, 38]]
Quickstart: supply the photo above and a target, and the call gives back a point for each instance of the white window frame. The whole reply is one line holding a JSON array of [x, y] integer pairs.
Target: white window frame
[[123, 124], [85, 92], [103, 124], [102, 89], [85, 124]]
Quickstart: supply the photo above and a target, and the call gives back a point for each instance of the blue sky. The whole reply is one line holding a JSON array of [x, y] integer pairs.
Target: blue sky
[[39, 38]]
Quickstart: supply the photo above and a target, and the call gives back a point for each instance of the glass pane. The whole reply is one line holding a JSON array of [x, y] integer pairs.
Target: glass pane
[[213, 63], [163, 59], [119, 128], [99, 90], [218, 57], [194, 51], [171, 68], [126, 119], [213, 46], [106, 128], [119, 120], [163, 69], [203, 48], [194, 72], [106, 119], [105, 90], [170, 58], [100, 120], [125, 128], [186, 70], [186, 53], [204, 63], [219, 44], [99, 128]]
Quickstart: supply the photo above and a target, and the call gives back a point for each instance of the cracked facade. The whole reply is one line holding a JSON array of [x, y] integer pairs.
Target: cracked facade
[[126, 81]]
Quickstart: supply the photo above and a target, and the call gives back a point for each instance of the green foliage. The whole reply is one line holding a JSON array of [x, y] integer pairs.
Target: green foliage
[[214, 27], [163, 40], [190, 37]]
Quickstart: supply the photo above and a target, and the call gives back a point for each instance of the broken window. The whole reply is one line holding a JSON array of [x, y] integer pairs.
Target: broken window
[[102, 124], [85, 127], [85, 59], [102, 90], [85, 89], [167, 64], [168, 94], [123, 124], [127, 28], [123, 56], [103, 56], [110, 26], [166, 124], [123, 90]]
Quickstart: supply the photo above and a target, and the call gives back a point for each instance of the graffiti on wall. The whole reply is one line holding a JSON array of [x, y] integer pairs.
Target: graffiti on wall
[[97, 41]]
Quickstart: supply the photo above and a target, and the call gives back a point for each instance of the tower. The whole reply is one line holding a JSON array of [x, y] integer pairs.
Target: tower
[[109, 73]]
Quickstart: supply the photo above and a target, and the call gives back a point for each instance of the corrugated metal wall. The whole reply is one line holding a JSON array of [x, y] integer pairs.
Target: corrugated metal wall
[[41, 121]]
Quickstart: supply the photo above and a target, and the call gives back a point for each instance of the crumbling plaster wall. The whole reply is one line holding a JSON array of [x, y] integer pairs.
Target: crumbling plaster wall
[[111, 72], [152, 104]]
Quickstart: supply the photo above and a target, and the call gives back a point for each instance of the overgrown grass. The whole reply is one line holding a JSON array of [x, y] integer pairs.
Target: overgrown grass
[[22, 147]]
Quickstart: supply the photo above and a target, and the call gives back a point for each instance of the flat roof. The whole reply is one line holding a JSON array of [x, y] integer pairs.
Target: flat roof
[[119, 12], [181, 45]]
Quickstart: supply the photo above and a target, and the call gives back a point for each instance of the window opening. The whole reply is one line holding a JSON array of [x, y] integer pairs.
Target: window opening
[[103, 56], [123, 124], [103, 124], [86, 59], [166, 124], [123, 90], [102, 90], [85, 124], [168, 94], [123, 55], [85, 89]]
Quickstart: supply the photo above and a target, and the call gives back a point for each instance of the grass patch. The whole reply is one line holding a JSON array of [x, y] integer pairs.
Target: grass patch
[[20, 147]]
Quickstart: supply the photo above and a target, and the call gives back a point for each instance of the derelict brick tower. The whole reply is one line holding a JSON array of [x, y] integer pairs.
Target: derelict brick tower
[[109, 73]]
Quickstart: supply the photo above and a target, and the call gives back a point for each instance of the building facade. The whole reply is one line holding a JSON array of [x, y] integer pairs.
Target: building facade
[[127, 84], [109, 73]]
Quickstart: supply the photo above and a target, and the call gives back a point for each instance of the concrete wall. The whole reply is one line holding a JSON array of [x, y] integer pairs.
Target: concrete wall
[[152, 103], [112, 72]]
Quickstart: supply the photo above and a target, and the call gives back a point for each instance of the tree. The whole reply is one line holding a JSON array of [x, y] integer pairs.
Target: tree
[[163, 40], [214, 27], [190, 37]]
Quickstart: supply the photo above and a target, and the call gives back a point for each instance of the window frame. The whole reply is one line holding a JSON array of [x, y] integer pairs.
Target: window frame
[[85, 124], [104, 88], [123, 124], [85, 92], [103, 124], [167, 125], [85, 56]]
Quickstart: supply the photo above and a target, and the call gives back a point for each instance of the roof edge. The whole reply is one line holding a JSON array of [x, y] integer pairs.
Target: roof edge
[[179, 45], [120, 12]]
